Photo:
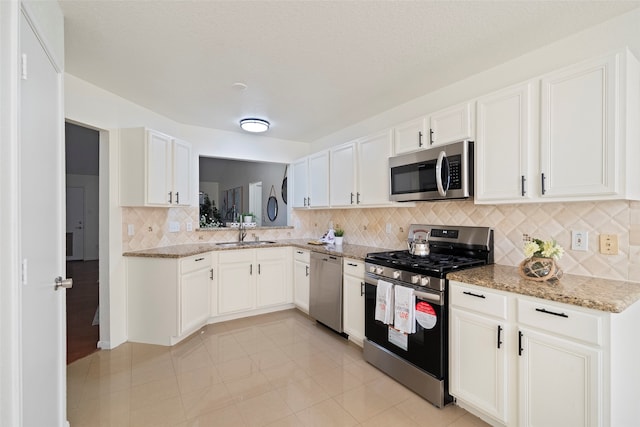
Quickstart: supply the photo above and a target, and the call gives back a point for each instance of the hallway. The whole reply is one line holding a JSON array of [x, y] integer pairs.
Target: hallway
[[82, 302]]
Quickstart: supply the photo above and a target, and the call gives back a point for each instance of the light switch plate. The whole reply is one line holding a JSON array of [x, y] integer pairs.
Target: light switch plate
[[609, 244], [174, 226], [130, 230], [189, 226], [579, 240]]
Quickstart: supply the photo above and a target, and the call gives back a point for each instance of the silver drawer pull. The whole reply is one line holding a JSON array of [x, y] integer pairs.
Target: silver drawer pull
[[199, 259], [351, 264], [474, 295]]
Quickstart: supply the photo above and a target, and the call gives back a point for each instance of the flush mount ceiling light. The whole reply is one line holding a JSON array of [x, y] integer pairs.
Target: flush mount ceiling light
[[254, 125]]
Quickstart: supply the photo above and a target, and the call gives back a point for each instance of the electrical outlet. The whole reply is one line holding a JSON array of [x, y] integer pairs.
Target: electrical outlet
[[130, 230], [388, 228], [579, 240], [609, 244], [189, 226], [174, 226]]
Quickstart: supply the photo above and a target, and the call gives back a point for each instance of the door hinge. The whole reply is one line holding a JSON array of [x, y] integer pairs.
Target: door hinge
[[23, 66]]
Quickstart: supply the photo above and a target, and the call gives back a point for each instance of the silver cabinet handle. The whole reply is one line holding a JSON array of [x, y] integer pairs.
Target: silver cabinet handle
[[307, 270], [420, 139], [351, 198], [211, 274], [177, 198], [357, 198], [251, 269], [170, 197]]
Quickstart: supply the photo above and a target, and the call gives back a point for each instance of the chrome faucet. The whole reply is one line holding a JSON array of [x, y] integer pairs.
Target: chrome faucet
[[242, 233]]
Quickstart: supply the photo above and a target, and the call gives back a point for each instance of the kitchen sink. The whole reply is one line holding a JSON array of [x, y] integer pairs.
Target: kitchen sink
[[248, 243]]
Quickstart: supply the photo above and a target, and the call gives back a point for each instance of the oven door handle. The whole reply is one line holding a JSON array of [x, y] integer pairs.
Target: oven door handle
[[442, 162], [429, 297], [419, 294]]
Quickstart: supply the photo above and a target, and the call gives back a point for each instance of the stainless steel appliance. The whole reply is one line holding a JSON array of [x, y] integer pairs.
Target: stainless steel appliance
[[325, 290], [420, 360], [437, 173]]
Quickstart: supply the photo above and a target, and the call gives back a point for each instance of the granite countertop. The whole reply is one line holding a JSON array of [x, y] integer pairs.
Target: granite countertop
[[613, 296], [181, 251]]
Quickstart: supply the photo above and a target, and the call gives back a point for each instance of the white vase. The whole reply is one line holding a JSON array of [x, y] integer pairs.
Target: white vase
[[338, 240], [247, 219]]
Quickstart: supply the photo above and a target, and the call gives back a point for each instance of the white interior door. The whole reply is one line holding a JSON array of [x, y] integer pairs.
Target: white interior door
[[42, 221], [255, 201], [75, 224]]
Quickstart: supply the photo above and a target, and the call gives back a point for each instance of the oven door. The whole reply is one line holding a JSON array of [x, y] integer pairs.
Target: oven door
[[427, 347]]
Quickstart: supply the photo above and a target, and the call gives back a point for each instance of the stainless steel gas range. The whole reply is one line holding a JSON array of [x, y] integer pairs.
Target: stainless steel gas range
[[419, 360]]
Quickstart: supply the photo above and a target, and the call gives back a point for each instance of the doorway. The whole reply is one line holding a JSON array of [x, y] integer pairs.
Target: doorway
[[82, 217], [255, 201]]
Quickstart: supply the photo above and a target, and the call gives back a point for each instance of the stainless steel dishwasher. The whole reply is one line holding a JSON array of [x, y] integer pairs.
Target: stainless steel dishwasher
[[325, 291]]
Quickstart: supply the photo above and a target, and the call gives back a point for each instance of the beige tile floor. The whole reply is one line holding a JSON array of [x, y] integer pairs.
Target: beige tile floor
[[279, 369]]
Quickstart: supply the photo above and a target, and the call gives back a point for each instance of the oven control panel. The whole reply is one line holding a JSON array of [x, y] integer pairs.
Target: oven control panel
[[381, 272]]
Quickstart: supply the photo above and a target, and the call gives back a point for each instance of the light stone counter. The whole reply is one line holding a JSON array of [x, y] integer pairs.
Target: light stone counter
[[599, 294], [181, 251]]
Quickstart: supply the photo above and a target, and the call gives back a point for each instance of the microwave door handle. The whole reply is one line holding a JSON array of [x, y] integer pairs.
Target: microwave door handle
[[442, 161]]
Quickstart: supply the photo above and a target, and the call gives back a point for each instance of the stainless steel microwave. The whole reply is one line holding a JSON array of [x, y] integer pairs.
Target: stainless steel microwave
[[439, 173]]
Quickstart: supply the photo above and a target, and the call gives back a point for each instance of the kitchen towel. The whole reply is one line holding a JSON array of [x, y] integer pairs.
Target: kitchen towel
[[405, 309], [384, 302]]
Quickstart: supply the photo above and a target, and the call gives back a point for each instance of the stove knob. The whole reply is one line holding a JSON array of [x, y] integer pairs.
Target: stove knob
[[415, 279], [424, 281], [372, 269], [396, 274], [379, 270]]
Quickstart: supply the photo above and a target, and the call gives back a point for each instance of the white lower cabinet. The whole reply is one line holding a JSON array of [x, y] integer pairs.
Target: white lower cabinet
[[353, 300], [301, 265], [253, 279], [168, 298], [479, 350], [552, 364]]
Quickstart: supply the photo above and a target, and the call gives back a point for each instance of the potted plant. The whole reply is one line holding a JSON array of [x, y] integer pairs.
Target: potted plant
[[247, 217], [339, 235]]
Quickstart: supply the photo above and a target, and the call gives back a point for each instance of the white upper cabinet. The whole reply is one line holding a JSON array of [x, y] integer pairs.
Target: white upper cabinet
[[410, 136], [578, 145], [373, 169], [154, 169], [441, 127], [502, 145], [300, 182], [360, 172], [586, 148], [450, 125], [311, 181], [343, 175], [319, 180]]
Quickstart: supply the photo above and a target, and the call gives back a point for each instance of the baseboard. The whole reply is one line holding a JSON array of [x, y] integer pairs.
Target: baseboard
[[104, 345]]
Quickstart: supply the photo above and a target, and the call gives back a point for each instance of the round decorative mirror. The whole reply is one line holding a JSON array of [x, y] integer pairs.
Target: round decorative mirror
[[272, 208]]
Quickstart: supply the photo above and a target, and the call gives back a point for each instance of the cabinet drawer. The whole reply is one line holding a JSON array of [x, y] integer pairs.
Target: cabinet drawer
[[479, 300], [195, 262], [301, 255], [560, 319], [353, 267]]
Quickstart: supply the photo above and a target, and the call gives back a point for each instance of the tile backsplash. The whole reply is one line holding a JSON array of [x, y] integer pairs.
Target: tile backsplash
[[387, 228]]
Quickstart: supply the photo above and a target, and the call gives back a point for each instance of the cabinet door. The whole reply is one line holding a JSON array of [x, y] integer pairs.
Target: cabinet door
[[158, 168], [560, 382], [353, 300], [342, 176], [578, 130], [301, 285], [236, 281], [273, 281], [194, 299], [300, 172], [181, 173], [319, 180], [450, 125], [478, 362], [373, 169], [502, 145], [410, 136]]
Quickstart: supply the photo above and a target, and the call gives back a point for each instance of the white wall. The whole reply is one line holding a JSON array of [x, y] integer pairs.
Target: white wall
[[598, 40]]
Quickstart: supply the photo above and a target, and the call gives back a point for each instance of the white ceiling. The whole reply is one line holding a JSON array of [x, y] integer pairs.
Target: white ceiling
[[312, 67]]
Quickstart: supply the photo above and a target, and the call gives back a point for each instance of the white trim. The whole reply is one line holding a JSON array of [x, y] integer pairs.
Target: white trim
[[31, 17], [10, 290]]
